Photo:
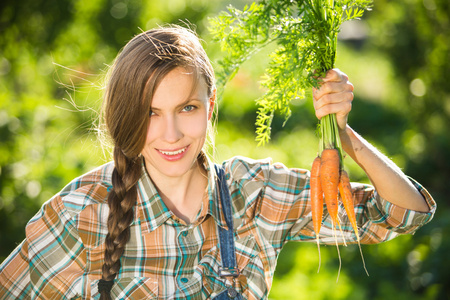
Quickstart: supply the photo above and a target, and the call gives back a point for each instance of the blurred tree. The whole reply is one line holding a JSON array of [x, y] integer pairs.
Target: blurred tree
[[399, 68], [28, 33], [413, 35]]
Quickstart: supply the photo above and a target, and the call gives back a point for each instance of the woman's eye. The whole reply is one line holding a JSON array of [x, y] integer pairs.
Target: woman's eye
[[188, 108], [152, 113]]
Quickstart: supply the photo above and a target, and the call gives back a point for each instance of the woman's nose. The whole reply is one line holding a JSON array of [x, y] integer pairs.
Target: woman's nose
[[172, 131]]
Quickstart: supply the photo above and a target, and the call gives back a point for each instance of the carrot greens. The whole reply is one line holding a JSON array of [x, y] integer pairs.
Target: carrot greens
[[305, 35]]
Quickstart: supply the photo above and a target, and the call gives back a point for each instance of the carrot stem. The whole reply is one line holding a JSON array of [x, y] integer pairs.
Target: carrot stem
[[330, 135]]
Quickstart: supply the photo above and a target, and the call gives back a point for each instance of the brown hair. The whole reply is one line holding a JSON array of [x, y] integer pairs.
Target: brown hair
[[133, 79]]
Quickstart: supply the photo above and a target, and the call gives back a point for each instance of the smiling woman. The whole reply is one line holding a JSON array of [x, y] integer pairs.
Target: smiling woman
[[162, 221], [180, 112], [181, 109]]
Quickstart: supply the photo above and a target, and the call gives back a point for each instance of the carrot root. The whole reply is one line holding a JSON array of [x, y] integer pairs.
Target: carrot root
[[345, 191], [318, 249], [362, 257], [338, 252], [341, 231]]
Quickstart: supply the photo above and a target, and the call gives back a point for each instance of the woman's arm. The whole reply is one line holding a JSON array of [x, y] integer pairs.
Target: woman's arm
[[50, 262], [335, 96], [14, 274], [389, 181]]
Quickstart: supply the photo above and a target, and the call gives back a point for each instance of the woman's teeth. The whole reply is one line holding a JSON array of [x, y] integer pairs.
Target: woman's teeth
[[172, 152]]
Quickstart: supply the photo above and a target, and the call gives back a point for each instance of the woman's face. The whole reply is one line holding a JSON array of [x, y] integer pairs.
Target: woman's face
[[178, 123]]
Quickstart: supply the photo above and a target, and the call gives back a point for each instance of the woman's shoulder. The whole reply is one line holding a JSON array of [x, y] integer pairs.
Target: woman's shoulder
[[244, 168], [88, 189], [77, 210], [263, 188]]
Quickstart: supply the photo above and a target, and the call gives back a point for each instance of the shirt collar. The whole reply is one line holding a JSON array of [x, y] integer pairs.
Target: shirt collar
[[152, 211]]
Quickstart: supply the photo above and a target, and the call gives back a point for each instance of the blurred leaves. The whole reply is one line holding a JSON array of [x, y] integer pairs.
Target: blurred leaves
[[305, 33]]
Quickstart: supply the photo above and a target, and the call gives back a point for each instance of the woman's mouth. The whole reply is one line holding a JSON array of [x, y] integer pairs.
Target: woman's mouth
[[173, 155]]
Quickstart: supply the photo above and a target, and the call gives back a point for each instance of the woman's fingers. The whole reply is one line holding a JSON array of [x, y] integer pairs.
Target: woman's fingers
[[340, 94], [341, 109], [334, 82], [332, 88], [335, 75], [333, 103], [335, 95]]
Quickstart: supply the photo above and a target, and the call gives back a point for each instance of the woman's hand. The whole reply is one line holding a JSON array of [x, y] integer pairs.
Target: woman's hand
[[335, 95]]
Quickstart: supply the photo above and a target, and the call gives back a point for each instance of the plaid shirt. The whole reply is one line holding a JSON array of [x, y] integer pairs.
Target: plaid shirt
[[62, 255]]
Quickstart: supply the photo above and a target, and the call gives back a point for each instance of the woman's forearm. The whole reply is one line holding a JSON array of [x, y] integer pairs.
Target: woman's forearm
[[389, 181]]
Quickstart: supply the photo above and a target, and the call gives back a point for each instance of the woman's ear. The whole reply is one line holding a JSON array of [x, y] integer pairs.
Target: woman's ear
[[212, 103]]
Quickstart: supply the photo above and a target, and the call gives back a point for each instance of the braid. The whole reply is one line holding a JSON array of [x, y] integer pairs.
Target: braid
[[121, 201]]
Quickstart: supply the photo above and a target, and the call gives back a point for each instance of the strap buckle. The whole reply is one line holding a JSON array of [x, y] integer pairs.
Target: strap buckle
[[229, 272]]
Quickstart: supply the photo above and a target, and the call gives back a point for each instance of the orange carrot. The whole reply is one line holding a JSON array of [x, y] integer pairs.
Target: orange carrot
[[345, 191], [347, 199], [329, 179], [316, 201], [316, 196]]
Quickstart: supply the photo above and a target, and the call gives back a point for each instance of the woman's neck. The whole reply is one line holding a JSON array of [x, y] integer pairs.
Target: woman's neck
[[183, 195]]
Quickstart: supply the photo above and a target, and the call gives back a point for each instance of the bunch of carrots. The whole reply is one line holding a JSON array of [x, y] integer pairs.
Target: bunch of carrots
[[329, 179], [330, 182]]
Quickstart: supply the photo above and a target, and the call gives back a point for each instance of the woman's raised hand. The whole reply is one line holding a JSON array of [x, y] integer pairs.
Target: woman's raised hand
[[335, 95]]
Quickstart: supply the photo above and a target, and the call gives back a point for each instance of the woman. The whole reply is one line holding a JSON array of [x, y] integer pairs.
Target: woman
[[162, 221]]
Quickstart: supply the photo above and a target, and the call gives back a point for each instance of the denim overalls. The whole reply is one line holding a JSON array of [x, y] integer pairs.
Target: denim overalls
[[226, 240]]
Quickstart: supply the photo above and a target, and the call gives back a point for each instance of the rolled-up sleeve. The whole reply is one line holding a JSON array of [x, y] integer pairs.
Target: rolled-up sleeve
[[383, 220]]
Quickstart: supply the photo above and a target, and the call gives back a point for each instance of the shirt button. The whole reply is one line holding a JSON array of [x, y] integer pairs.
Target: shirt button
[[184, 280], [232, 293]]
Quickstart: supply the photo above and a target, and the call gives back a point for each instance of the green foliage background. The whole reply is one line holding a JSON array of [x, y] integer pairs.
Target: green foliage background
[[54, 53]]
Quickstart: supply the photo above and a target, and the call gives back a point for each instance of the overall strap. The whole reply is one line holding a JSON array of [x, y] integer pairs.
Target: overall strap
[[226, 238]]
